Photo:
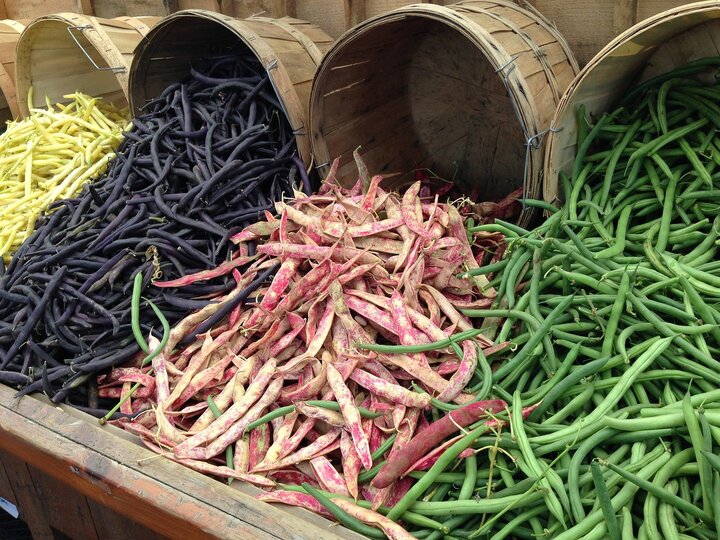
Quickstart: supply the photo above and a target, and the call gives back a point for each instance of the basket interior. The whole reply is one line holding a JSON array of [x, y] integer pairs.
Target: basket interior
[[174, 48], [418, 94], [58, 66]]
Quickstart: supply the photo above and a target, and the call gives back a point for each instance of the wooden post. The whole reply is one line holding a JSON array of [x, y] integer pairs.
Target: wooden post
[[624, 15], [227, 7], [86, 7], [170, 6], [354, 12], [291, 8], [266, 8]]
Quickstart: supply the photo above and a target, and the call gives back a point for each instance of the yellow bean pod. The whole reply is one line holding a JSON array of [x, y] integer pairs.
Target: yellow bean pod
[[50, 155]]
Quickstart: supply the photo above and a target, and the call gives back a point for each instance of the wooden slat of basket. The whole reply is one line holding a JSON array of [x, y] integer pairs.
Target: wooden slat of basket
[[526, 43], [702, 41], [141, 24], [294, 32], [393, 127]]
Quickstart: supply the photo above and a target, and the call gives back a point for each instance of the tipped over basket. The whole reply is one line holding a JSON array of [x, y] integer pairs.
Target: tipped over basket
[[63, 53], [652, 47], [289, 49], [466, 91]]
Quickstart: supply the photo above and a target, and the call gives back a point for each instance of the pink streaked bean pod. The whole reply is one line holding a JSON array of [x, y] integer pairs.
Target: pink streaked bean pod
[[351, 415]]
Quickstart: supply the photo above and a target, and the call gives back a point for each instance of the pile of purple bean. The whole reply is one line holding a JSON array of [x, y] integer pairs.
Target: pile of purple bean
[[208, 158]]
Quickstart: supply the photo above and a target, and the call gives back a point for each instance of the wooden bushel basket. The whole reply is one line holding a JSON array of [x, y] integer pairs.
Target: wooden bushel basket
[[651, 47], [9, 34], [290, 49], [62, 53], [466, 91]]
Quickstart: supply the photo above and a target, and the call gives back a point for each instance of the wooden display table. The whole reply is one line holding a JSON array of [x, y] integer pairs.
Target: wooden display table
[[70, 477]]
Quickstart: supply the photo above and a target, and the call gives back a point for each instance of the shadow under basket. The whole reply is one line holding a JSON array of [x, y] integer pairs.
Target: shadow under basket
[[13, 529], [457, 91]]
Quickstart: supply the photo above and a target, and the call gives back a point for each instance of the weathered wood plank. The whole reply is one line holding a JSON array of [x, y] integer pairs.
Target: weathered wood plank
[[111, 525], [134, 8], [109, 8], [30, 507], [87, 7], [65, 509], [625, 15], [160, 495], [30, 9], [266, 8], [6, 488]]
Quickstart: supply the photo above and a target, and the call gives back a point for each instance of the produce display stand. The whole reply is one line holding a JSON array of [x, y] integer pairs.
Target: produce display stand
[[105, 485], [483, 98]]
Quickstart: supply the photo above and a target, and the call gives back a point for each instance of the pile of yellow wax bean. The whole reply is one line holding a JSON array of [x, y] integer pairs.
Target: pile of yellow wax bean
[[49, 156]]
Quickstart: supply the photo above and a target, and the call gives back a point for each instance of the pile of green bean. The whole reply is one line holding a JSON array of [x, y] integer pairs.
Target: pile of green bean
[[613, 306]]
